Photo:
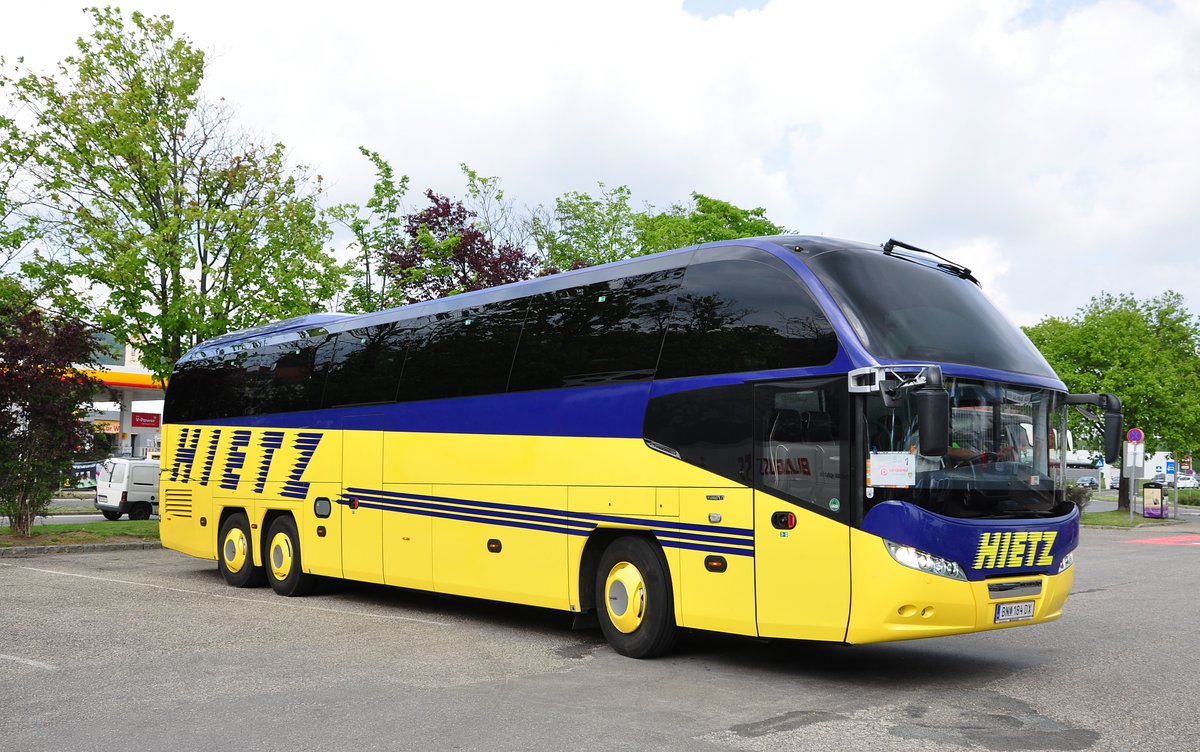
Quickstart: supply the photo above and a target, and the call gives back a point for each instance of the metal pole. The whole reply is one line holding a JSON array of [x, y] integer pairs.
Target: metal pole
[[1178, 468], [1132, 479]]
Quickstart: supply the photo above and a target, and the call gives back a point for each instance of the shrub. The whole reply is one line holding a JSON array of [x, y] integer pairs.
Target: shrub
[[1080, 495]]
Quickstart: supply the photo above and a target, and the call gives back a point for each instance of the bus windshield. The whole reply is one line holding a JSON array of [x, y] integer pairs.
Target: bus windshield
[[1005, 458], [905, 310]]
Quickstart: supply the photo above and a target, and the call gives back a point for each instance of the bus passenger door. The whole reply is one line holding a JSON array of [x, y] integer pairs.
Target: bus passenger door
[[361, 513], [801, 535]]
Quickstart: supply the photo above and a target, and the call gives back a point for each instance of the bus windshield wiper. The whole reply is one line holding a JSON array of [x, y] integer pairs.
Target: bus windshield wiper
[[956, 269]]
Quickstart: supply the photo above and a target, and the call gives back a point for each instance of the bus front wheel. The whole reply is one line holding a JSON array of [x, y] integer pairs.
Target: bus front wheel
[[284, 570], [633, 598]]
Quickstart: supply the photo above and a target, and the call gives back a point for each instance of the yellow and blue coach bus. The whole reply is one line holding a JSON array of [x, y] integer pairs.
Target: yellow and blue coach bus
[[789, 437]]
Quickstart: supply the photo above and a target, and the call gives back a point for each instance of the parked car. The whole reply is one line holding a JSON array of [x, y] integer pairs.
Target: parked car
[[1187, 481], [1159, 478], [127, 486], [1115, 483], [1088, 481]]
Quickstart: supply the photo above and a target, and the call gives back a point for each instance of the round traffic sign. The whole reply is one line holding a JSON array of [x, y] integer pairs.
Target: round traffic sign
[[1135, 435]]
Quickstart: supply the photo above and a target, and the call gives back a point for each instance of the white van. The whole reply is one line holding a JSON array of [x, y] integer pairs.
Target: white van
[[127, 486]]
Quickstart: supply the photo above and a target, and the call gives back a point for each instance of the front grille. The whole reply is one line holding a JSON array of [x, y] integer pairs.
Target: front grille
[[1016, 589]]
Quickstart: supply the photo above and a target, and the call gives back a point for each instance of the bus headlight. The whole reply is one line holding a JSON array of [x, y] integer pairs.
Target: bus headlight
[[1066, 562], [923, 562]]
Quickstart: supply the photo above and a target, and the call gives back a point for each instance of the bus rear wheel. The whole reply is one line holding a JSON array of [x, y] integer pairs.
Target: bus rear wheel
[[235, 556], [285, 572], [634, 603]]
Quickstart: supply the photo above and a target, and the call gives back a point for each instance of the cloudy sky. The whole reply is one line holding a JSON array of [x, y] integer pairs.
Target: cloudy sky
[[1053, 147]]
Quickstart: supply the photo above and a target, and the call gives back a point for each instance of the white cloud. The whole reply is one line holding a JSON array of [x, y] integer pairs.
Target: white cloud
[[1051, 152]]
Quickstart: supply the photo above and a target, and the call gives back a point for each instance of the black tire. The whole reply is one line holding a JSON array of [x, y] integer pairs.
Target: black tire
[[139, 511], [641, 623], [110, 515], [282, 562], [235, 553]]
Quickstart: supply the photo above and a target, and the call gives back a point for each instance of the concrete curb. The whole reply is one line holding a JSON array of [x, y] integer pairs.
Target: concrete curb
[[74, 548]]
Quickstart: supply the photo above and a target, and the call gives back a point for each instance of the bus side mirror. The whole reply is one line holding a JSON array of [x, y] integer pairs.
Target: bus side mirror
[[1112, 435], [1111, 405], [933, 421]]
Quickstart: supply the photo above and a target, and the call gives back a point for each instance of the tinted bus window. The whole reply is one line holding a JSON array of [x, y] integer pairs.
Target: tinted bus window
[[710, 428], [463, 353], [605, 332], [323, 351], [365, 367], [734, 316], [801, 443], [206, 389], [257, 365]]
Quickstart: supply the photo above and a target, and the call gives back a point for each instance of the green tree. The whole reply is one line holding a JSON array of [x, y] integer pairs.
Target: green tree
[[583, 230], [495, 214], [16, 228], [706, 220], [377, 232], [43, 399], [177, 227], [1147, 352]]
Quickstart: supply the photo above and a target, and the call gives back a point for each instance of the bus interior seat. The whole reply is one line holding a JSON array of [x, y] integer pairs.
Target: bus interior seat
[[817, 426], [788, 426]]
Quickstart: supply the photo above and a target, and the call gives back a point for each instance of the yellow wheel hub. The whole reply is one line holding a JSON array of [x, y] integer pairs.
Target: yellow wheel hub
[[625, 597], [281, 556], [234, 550]]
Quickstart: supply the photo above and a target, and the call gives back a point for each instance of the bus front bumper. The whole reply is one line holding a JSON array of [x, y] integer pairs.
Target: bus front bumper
[[893, 602]]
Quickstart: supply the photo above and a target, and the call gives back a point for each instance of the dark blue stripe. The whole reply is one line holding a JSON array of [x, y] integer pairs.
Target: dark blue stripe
[[498, 517], [467, 518], [735, 531], [400, 505], [707, 549], [667, 543], [608, 411], [702, 538]]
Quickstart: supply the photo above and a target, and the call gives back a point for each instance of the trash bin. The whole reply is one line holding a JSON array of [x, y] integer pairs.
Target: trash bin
[[1153, 502]]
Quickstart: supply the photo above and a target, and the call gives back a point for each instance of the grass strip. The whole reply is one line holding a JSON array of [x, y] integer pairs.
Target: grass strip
[[122, 531], [1117, 518]]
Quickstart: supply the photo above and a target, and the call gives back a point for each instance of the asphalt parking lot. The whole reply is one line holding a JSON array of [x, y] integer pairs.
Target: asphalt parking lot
[[150, 650]]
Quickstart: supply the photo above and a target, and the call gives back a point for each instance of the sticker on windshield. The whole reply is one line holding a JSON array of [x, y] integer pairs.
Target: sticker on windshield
[[892, 470]]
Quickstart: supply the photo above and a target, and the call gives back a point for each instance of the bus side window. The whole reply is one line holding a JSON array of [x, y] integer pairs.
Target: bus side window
[[601, 333], [709, 428], [365, 367], [742, 315], [463, 353]]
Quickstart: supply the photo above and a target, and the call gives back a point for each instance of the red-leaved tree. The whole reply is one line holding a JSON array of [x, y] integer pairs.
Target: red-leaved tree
[[445, 251], [43, 399]]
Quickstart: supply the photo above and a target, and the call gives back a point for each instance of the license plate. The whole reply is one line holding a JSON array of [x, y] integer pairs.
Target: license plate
[[1015, 611]]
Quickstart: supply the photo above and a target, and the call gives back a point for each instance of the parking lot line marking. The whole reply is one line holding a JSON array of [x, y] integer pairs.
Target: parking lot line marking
[[27, 662], [268, 601]]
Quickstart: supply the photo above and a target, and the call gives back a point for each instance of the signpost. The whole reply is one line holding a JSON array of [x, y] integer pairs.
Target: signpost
[[1135, 458]]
